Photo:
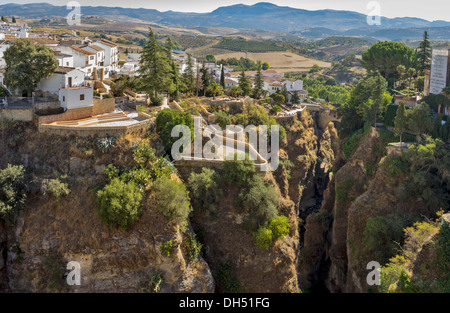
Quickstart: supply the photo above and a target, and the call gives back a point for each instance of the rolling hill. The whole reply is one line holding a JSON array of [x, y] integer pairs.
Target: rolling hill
[[264, 16]]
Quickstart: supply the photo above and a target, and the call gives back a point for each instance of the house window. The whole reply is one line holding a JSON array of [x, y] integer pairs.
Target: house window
[[81, 97], [64, 98], [91, 57], [67, 63]]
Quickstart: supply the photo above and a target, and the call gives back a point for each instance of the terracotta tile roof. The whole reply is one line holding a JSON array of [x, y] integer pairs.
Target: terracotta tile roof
[[80, 49], [64, 69], [96, 48], [59, 54], [108, 43], [43, 41]]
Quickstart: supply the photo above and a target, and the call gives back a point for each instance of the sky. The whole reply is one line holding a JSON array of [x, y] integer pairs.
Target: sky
[[426, 9]]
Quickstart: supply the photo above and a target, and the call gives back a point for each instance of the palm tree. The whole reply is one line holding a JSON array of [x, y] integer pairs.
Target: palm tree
[[446, 91], [411, 73], [401, 69], [216, 89]]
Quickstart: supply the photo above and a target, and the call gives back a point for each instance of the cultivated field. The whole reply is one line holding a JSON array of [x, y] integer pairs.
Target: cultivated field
[[282, 62]]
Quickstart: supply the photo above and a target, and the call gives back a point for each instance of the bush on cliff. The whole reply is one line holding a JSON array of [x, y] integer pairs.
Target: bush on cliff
[[12, 191], [204, 189], [173, 200], [166, 120], [260, 201], [119, 204]]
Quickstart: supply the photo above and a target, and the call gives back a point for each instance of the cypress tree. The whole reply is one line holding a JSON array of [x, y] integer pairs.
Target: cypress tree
[[222, 78], [400, 122]]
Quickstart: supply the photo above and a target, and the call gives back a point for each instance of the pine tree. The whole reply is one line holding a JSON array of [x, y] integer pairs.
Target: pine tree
[[400, 121], [169, 48], [155, 70], [244, 84], [206, 79], [189, 75], [295, 98], [259, 83], [284, 92], [424, 53]]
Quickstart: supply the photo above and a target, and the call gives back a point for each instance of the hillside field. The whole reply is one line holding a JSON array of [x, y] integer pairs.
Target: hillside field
[[282, 62]]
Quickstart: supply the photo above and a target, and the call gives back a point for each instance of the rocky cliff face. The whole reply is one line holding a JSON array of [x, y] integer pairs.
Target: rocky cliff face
[[51, 232]]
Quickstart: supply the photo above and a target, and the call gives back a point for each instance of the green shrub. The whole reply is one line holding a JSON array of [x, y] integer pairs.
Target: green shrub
[[12, 191], [223, 119], [144, 156], [58, 188], [239, 172], [166, 248], [173, 200], [119, 204], [154, 285], [225, 279], [157, 101], [166, 120], [287, 166], [443, 262], [389, 116], [263, 238], [279, 226], [204, 190], [260, 201], [141, 108], [382, 233], [352, 143], [324, 218], [390, 274], [193, 247], [54, 275]]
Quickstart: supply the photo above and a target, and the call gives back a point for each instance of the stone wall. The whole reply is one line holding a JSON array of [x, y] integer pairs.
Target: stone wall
[[25, 115], [102, 106], [48, 105], [71, 114], [99, 131]]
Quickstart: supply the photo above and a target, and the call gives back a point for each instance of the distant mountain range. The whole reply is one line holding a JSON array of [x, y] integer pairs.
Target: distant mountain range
[[263, 16]]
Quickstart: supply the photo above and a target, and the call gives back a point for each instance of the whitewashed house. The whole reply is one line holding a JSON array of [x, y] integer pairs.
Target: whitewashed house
[[82, 58], [76, 97], [130, 69], [230, 82], [64, 60], [63, 77], [111, 57], [274, 84]]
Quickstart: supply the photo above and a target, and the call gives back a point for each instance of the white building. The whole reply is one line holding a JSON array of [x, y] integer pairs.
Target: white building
[[63, 77], [64, 60], [76, 97], [111, 57], [230, 82], [274, 84], [130, 69], [19, 30]]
